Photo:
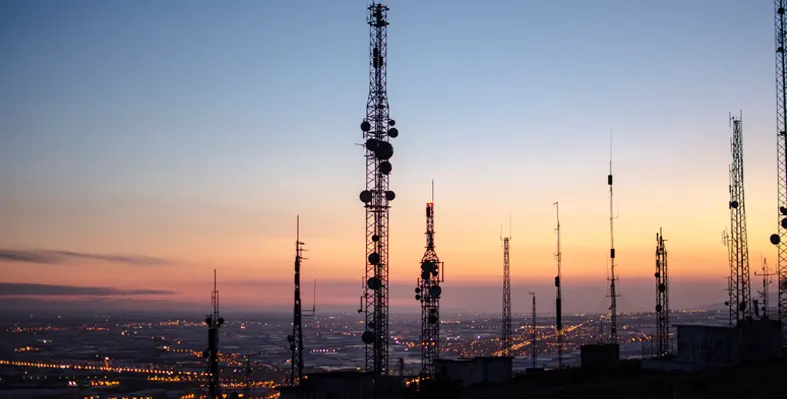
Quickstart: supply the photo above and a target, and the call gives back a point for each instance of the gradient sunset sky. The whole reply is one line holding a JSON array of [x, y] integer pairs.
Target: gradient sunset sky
[[145, 143]]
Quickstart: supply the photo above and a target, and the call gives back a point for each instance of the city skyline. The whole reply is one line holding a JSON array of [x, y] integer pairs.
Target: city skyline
[[195, 148]]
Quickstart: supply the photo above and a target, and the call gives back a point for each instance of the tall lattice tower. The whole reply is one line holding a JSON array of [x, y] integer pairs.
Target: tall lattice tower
[[732, 278], [428, 293], [505, 339], [559, 296], [613, 295], [214, 322], [377, 130], [780, 238], [739, 249], [662, 297], [296, 338]]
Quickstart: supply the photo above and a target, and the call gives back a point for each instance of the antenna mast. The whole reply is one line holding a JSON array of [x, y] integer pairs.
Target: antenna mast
[[613, 295], [662, 297], [505, 340], [559, 298], [377, 130], [739, 250], [766, 281], [535, 337], [780, 238], [428, 293], [212, 353], [296, 338]]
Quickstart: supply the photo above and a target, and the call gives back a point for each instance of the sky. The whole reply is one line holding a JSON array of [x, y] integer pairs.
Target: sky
[[146, 143]]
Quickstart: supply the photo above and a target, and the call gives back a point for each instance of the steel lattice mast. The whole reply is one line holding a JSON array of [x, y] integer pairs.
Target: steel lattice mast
[[732, 302], [377, 130], [505, 339], [780, 238], [428, 293], [662, 297], [739, 249], [613, 295], [559, 297]]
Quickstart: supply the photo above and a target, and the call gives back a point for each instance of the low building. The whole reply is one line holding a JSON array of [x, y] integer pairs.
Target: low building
[[702, 346], [470, 371], [599, 356], [344, 385]]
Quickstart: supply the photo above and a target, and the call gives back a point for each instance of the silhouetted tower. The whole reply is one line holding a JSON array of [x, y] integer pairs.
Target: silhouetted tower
[[780, 238], [662, 297], [739, 249], [505, 339], [766, 281], [613, 295], [296, 338], [732, 302], [428, 293], [214, 322], [559, 297], [534, 349], [377, 130]]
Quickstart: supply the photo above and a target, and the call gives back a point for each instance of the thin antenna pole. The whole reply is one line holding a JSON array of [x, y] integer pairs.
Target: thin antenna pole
[[559, 298], [534, 353]]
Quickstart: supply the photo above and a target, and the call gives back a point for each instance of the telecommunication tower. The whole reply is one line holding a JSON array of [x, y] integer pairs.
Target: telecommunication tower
[[613, 295], [505, 339], [766, 282], [559, 298], [214, 322], [377, 129], [662, 297], [533, 348], [296, 338], [739, 249], [732, 302], [428, 293], [780, 237]]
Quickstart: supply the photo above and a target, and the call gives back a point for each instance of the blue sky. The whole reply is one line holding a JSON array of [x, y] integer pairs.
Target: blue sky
[[208, 126]]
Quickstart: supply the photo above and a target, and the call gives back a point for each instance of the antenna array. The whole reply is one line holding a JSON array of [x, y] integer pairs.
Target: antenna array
[[740, 300], [662, 297], [428, 292], [377, 130], [780, 237]]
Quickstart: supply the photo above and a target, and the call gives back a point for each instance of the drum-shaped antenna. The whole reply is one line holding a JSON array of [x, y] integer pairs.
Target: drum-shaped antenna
[[385, 167], [393, 132], [366, 196], [365, 126]]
